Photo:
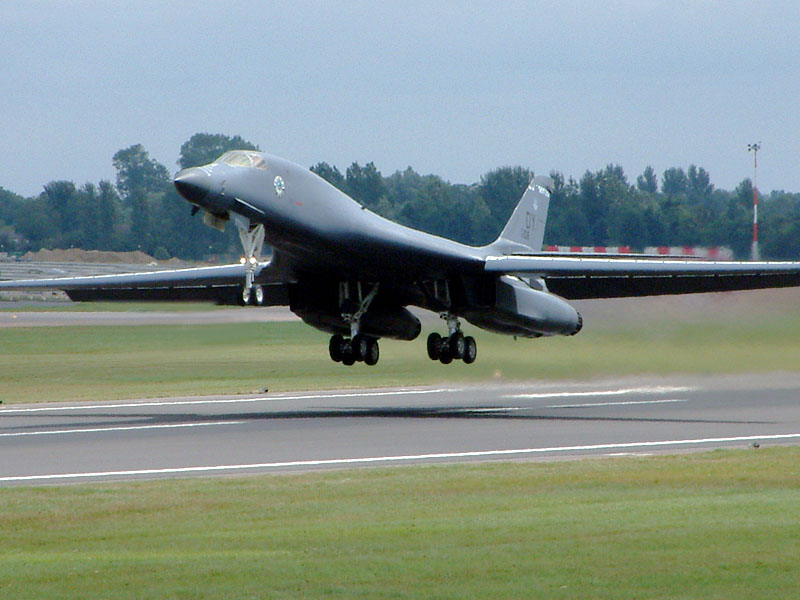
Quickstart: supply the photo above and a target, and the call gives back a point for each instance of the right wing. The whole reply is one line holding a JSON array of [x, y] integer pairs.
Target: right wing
[[575, 278], [221, 284]]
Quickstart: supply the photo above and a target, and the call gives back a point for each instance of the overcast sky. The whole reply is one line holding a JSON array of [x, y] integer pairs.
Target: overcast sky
[[450, 88]]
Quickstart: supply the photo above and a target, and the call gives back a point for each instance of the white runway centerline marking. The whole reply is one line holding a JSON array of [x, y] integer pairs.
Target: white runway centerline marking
[[623, 403], [619, 392], [123, 428], [498, 409], [390, 459], [6, 411]]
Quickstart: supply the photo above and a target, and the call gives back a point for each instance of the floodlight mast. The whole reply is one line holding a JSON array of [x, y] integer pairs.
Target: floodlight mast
[[754, 148]]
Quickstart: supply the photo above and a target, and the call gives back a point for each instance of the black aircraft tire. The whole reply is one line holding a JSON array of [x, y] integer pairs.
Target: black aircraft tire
[[373, 353], [457, 345], [360, 346], [471, 352], [335, 348], [258, 297], [445, 357], [348, 358], [244, 297], [434, 344]]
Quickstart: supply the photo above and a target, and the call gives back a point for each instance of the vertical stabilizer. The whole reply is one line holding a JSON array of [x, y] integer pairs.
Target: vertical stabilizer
[[524, 231]]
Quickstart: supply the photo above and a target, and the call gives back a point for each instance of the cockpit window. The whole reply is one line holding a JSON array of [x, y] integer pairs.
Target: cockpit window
[[243, 158]]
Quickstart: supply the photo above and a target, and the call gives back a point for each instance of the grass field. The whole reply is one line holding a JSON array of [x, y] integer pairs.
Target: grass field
[[715, 525], [112, 362]]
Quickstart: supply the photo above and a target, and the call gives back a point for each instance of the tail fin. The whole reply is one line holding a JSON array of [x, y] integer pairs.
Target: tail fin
[[524, 231]]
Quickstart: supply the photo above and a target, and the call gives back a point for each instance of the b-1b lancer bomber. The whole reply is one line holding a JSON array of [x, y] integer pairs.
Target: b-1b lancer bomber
[[352, 273]]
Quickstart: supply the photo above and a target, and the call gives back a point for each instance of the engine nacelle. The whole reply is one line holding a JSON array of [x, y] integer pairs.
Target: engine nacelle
[[378, 322], [522, 310]]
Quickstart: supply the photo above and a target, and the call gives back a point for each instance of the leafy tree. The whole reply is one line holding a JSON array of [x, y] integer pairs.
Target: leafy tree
[[34, 221], [137, 173], [59, 197], [738, 219], [144, 210], [9, 204], [647, 182], [203, 148], [699, 184], [364, 184], [142, 181], [330, 174], [501, 190], [780, 224], [109, 215], [674, 182]]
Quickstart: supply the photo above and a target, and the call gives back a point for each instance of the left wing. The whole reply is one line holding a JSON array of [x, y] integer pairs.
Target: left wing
[[222, 284], [574, 278]]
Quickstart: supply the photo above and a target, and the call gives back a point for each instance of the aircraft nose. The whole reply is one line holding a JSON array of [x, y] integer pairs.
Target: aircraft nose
[[194, 184]]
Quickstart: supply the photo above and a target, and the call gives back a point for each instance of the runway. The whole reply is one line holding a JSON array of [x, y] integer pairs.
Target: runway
[[181, 437]]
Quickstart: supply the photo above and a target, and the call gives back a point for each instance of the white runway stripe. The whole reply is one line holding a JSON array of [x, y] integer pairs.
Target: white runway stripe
[[124, 428], [623, 403], [7, 411], [501, 409], [620, 392], [390, 459]]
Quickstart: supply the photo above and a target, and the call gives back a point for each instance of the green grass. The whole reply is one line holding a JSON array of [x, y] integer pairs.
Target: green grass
[[715, 525], [113, 362]]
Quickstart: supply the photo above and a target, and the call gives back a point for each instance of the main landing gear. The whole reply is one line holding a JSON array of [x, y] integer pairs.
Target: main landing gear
[[359, 347], [456, 346]]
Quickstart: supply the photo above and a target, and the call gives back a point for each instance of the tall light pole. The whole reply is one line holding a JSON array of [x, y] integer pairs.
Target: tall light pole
[[754, 148]]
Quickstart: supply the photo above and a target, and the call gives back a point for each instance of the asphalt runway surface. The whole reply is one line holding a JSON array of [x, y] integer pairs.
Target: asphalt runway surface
[[244, 435]]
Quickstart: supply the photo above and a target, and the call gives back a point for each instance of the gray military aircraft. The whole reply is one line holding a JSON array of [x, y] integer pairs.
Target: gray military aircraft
[[352, 273]]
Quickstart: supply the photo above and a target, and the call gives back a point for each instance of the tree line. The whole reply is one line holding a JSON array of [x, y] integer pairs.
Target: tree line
[[142, 211]]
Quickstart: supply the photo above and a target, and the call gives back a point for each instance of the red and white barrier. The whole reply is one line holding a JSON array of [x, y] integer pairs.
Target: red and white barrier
[[713, 253], [590, 249]]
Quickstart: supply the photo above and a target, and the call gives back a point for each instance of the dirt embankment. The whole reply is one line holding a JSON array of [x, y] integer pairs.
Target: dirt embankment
[[77, 255]]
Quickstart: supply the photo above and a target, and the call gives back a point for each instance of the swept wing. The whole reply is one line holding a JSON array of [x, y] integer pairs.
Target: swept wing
[[221, 283], [616, 277]]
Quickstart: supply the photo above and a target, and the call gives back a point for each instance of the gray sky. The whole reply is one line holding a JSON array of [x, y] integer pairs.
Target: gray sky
[[449, 88]]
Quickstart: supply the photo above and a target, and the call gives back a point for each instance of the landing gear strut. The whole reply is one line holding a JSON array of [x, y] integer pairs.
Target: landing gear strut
[[359, 347], [252, 243], [456, 346]]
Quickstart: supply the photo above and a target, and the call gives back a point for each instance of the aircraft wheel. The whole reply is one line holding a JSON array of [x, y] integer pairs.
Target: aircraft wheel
[[457, 345], [360, 345], [434, 345], [471, 350], [348, 357], [244, 300], [258, 296], [335, 348], [445, 357], [373, 352]]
